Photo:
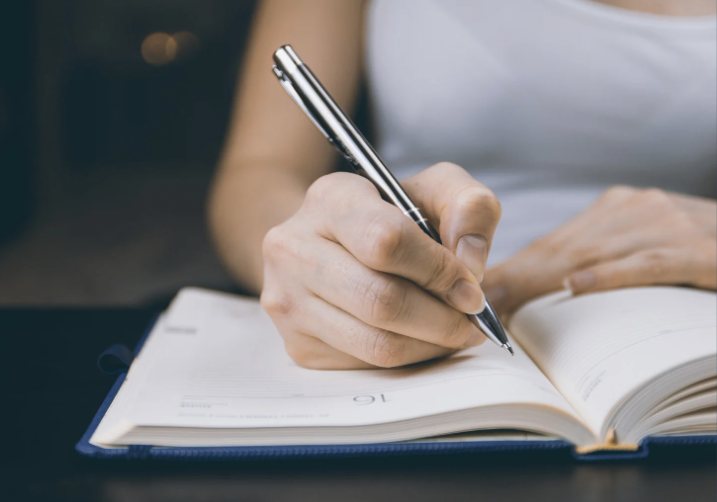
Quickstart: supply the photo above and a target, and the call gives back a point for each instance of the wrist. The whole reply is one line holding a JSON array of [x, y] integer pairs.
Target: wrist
[[244, 204]]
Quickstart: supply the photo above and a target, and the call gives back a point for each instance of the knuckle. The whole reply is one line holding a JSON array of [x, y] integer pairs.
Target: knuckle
[[276, 242], [493, 206], [616, 194], [315, 193], [385, 300], [655, 197], [384, 350], [445, 167], [321, 187], [656, 264], [481, 202], [436, 172], [456, 332], [333, 187], [446, 273], [382, 241], [276, 303]]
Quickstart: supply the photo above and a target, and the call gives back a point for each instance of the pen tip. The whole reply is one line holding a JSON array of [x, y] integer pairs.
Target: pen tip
[[507, 347]]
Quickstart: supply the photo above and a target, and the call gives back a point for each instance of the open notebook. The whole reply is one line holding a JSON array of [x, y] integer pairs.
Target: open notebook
[[602, 371]]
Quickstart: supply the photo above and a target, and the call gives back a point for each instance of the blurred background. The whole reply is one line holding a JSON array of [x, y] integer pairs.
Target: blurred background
[[112, 116]]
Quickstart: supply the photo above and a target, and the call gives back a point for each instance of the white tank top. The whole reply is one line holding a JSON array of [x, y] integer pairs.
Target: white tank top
[[548, 102]]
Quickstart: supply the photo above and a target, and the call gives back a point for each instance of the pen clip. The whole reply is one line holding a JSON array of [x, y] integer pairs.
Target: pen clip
[[289, 88]]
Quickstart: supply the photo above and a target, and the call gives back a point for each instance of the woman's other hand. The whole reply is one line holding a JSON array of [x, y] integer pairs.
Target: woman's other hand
[[351, 282], [628, 237]]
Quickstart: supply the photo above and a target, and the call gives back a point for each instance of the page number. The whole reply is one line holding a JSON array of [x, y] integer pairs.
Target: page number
[[367, 399]]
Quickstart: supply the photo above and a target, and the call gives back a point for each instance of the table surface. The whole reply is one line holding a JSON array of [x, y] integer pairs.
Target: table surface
[[52, 388]]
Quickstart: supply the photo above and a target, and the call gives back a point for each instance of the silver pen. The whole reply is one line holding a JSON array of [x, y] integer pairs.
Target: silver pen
[[301, 84]]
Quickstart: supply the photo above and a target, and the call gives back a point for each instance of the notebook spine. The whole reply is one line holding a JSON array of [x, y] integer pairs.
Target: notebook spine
[[611, 444]]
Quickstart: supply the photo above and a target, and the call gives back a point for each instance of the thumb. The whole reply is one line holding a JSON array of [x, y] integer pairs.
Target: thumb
[[464, 211]]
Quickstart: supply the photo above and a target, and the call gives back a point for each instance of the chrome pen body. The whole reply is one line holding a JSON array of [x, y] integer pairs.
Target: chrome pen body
[[301, 84]]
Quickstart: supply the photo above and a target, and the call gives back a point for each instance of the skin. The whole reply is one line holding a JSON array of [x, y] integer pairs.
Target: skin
[[361, 289], [355, 289], [629, 237], [674, 8]]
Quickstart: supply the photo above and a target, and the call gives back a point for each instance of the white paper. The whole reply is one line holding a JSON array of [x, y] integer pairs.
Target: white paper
[[222, 364], [598, 348]]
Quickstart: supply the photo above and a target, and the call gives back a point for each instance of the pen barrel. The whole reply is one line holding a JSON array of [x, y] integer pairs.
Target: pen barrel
[[415, 214], [487, 321], [303, 86]]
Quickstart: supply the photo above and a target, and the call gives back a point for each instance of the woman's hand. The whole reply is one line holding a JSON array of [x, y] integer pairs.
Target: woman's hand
[[351, 282], [629, 237]]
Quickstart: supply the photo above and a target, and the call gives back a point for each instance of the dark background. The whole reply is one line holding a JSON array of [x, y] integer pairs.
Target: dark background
[[105, 161], [105, 158]]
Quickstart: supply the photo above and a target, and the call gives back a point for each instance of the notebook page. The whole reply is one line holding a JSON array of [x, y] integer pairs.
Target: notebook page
[[115, 417], [597, 348], [222, 364]]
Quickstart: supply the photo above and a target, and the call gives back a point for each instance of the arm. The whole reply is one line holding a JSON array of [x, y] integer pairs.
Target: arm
[[272, 152]]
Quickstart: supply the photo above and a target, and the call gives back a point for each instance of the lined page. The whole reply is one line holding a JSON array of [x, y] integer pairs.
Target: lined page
[[598, 348], [222, 363]]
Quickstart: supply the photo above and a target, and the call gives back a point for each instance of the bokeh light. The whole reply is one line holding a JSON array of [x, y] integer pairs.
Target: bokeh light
[[161, 48], [187, 44]]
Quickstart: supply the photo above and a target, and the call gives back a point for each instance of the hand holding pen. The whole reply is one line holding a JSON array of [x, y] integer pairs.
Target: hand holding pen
[[351, 282]]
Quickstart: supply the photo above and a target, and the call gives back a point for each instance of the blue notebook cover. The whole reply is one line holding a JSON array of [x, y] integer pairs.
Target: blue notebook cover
[[84, 446]]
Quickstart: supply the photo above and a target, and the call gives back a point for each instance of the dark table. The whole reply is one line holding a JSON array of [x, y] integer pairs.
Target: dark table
[[52, 388]]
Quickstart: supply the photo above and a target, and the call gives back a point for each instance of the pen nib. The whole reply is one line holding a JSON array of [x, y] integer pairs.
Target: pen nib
[[507, 347]]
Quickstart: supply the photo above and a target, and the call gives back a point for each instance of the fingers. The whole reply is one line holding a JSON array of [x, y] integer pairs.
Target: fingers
[[629, 237], [348, 269], [622, 222], [351, 282], [382, 238], [661, 266], [387, 301], [370, 345], [465, 211]]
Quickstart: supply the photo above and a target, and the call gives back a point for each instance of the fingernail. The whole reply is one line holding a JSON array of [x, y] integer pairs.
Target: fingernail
[[581, 281], [473, 251], [475, 339], [466, 297]]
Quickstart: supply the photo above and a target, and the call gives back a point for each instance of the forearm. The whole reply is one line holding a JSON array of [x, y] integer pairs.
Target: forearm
[[244, 204], [272, 152]]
